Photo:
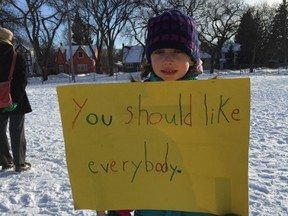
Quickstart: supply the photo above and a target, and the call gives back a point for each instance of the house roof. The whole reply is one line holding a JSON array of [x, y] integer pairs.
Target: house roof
[[204, 55], [235, 47], [65, 50], [132, 54]]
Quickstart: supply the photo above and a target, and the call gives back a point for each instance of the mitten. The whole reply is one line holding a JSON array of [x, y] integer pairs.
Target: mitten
[[10, 108]]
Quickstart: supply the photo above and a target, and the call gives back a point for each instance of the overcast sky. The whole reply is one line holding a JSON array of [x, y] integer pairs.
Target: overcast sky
[[252, 2]]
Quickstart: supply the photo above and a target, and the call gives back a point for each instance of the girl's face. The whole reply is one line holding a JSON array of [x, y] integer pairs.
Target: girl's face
[[170, 64]]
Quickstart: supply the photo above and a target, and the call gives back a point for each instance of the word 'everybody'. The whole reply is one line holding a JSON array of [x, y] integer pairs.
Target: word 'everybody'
[[143, 166], [144, 116]]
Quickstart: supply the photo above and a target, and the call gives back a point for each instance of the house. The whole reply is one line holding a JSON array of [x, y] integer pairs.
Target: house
[[82, 56], [229, 53], [132, 58], [26, 53]]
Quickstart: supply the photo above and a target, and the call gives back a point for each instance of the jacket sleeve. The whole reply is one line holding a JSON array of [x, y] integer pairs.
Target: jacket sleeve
[[19, 79]]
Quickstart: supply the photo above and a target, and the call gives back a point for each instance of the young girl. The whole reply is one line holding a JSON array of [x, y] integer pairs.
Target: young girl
[[172, 52]]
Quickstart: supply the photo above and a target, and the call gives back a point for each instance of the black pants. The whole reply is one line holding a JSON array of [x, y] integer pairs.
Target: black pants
[[17, 138]]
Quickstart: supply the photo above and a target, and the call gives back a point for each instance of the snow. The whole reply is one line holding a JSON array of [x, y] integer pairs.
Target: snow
[[45, 189]]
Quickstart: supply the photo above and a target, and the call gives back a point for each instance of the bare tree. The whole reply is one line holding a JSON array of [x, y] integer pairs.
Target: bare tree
[[40, 19], [5, 16], [192, 8], [9, 20], [110, 17], [219, 23]]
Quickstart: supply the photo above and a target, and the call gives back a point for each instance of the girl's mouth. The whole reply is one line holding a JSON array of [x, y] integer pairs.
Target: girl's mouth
[[168, 71]]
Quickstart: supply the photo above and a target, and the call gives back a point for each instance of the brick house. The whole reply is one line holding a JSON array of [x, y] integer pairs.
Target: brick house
[[83, 60]]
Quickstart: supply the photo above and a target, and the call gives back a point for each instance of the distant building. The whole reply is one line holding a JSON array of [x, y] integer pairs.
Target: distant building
[[83, 59], [132, 58], [20, 48], [229, 53]]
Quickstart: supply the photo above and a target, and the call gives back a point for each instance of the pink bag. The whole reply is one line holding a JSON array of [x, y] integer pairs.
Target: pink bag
[[5, 94]]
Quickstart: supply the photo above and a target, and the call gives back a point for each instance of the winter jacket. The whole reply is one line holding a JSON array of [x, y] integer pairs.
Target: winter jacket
[[19, 79]]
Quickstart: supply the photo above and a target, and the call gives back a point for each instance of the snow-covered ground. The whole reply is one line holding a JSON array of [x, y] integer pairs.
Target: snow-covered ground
[[45, 189]]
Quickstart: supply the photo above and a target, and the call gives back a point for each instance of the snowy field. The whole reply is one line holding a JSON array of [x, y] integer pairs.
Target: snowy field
[[45, 189]]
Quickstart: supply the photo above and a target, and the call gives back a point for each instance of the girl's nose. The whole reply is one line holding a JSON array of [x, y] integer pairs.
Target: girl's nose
[[168, 57]]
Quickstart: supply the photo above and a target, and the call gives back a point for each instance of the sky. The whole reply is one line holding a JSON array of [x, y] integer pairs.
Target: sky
[[45, 189], [270, 2]]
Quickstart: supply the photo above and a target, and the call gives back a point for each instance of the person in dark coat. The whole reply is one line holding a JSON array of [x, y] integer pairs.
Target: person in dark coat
[[15, 113]]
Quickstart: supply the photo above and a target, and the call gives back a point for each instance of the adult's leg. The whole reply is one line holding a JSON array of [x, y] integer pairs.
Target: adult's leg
[[18, 141], [5, 156]]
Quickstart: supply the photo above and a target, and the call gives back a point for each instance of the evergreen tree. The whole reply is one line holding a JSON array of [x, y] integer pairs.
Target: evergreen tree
[[249, 36], [80, 31], [243, 37], [278, 37]]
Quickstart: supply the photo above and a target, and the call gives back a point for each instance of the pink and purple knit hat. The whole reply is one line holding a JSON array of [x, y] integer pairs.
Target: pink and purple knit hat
[[172, 29]]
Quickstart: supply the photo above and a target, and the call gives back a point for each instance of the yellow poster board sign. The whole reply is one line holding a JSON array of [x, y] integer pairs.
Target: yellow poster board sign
[[158, 145]]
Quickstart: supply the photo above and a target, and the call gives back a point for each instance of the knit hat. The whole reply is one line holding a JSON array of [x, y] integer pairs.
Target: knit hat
[[172, 29], [6, 36]]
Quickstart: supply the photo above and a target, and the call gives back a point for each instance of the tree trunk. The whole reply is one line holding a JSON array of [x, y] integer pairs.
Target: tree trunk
[[98, 60], [110, 60], [212, 63], [253, 58], [44, 74]]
